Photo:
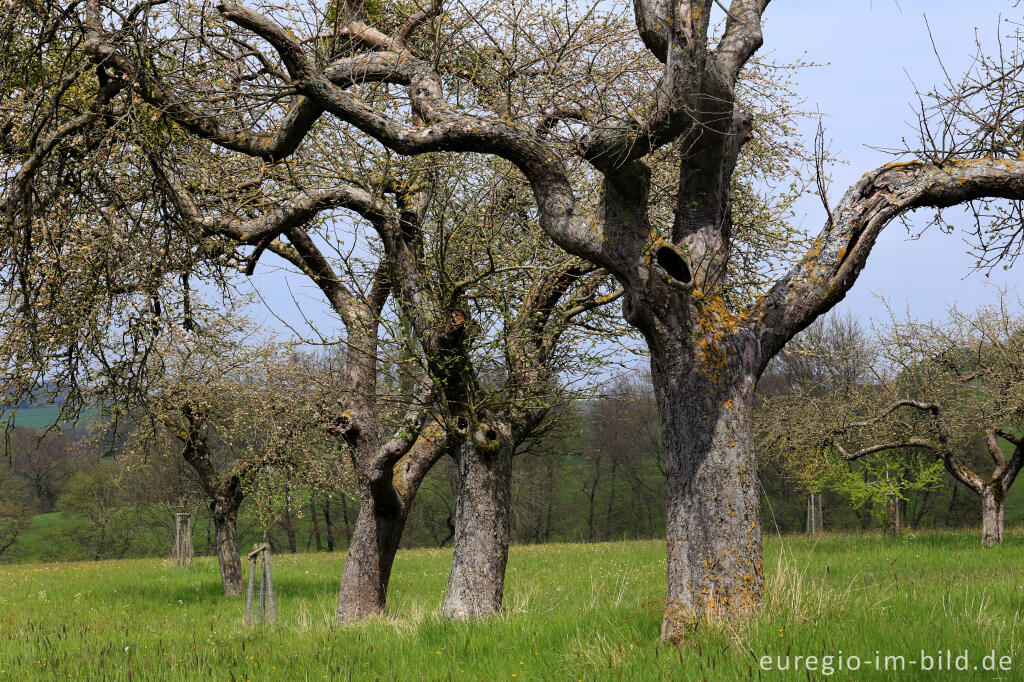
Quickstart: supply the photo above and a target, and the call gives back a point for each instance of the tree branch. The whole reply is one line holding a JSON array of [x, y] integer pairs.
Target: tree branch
[[742, 36], [831, 266], [932, 409], [881, 447], [445, 131], [417, 19], [294, 212], [996, 453], [405, 435]]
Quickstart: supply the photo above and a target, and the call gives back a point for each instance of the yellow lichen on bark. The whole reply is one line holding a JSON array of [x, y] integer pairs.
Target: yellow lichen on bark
[[715, 323]]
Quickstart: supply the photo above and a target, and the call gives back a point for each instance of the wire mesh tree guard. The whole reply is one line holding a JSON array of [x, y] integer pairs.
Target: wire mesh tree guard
[[266, 605], [184, 554]]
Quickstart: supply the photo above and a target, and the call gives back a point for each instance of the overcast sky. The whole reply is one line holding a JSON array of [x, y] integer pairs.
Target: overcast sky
[[871, 50]]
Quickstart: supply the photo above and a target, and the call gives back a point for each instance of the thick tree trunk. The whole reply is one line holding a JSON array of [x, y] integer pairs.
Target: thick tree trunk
[[224, 521], [713, 520], [992, 503], [482, 529], [345, 520], [371, 554]]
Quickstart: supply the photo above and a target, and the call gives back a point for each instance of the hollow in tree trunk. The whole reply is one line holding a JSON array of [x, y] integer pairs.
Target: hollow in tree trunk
[[482, 526], [224, 521]]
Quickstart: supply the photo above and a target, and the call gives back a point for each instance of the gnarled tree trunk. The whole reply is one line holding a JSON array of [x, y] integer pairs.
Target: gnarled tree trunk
[[371, 554], [482, 526], [386, 495], [992, 503], [225, 517], [713, 517]]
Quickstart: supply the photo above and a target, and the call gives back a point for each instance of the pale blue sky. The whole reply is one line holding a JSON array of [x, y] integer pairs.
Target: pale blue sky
[[872, 49]]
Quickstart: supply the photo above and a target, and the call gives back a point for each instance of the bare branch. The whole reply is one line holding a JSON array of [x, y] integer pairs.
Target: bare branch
[[881, 447], [996, 453], [931, 408]]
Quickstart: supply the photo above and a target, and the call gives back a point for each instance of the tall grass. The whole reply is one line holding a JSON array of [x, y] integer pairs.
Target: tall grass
[[580, 612]]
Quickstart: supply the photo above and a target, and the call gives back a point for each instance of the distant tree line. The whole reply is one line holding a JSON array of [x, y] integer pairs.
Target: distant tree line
[[594, 473]]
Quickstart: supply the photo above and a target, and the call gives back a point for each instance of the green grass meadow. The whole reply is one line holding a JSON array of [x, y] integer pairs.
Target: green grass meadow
[[583, 612], [42, 417]]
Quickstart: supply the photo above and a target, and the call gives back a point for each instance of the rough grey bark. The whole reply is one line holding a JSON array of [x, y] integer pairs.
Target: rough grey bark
[[713, 524], [386, 495], [992, 504], [371, 554], [225, 516], [482, 525]]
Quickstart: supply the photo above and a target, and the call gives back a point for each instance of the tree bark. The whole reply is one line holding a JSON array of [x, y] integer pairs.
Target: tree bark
[[371, 554], [992, 503], [345, 520], [224, 520], [482, 527], [713, 516]]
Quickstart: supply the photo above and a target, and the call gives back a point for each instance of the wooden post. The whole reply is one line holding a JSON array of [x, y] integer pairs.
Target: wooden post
[[270, 613], [267, 607], [183, 551], [252, 581]]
